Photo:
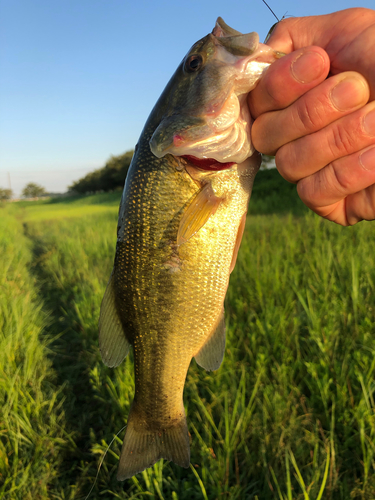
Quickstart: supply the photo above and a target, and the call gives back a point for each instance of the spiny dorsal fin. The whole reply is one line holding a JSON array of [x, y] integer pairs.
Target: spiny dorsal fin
[[113, 343], [204, 204], [212, 353], [222, 29]]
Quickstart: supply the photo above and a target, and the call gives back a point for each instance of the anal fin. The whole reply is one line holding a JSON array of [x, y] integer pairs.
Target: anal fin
[[212, 353], [204, 204], [113, 343], [240, 231]]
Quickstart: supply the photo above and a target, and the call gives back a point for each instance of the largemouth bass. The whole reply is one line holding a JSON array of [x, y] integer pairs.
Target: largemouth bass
[[181, 220]]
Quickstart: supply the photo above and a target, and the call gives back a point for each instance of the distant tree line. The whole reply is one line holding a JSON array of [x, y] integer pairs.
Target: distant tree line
[[112, 175], [5, 194], [33, 190], [107, 178]]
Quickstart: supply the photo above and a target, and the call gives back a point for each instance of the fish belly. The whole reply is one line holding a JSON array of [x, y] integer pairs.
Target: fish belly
[[170, 300]]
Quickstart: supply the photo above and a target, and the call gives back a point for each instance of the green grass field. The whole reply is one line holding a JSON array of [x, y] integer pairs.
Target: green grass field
[[289, 415]]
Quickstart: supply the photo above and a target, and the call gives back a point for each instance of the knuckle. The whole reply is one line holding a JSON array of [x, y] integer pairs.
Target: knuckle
[[367, 207], [305, 191], [305, 116], [283, 26], [260, 135], [311, 188], [311, 114], [370, 195], [342, 140], [273, 91], [273, 83], [286, 163], [336, 213], [258, 132], [326, 186], [337, 180]]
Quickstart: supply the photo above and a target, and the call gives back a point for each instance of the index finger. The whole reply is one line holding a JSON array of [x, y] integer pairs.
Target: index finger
[[347, 36], [289, 78]]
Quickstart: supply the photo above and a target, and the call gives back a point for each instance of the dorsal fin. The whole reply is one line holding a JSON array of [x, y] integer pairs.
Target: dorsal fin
[[222, 29]]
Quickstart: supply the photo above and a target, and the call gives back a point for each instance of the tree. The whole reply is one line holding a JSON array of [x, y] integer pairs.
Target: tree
[[110, 177], [32, 190], [5, 194]]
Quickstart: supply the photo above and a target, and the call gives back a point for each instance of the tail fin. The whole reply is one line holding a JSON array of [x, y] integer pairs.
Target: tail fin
[[142, 448]]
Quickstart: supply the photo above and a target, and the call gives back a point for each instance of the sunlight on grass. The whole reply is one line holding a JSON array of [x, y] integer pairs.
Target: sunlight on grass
[[290, 415], [57, 212]]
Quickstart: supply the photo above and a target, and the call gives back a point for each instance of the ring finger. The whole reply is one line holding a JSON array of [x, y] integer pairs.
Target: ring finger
[[343, 137]]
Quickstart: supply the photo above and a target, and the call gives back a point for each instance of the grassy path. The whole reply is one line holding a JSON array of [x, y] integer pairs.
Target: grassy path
[[289, 415], [32, 422]]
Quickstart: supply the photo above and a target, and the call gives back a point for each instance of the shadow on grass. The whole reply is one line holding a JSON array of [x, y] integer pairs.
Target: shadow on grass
[[72, 354], [274, 195]]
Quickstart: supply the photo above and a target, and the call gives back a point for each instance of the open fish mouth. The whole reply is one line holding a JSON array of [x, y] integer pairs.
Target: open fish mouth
[[214, 78], [209, 164], [219, 133]]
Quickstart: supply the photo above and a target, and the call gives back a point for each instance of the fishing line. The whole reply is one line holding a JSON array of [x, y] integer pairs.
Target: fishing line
[[274, 26], [102, 460], [278, 20]]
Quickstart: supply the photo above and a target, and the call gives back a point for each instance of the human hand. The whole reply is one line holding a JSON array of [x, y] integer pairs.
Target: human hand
[[322, 130]]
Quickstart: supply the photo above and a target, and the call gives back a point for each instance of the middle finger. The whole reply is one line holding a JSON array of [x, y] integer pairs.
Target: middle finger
[[335, 97]]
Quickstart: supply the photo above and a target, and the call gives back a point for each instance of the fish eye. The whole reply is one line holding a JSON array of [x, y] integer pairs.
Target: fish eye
[[193, 63]]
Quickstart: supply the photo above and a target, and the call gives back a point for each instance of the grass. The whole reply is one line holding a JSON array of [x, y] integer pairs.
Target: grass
[[61, 208], [289, 415], [31, 418]]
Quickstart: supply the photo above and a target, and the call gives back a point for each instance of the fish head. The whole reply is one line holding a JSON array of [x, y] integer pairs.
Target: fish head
[[206, 116]]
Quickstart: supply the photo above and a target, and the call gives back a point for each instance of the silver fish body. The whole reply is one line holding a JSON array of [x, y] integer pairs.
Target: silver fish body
[[181, 221]]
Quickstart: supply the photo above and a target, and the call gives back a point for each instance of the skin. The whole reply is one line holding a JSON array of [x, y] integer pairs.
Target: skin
[[321, 129]]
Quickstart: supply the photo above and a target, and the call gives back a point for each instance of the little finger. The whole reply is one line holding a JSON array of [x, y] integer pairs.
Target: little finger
[[339, 179]]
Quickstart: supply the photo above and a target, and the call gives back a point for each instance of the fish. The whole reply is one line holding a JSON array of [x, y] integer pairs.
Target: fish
[[181, 220]]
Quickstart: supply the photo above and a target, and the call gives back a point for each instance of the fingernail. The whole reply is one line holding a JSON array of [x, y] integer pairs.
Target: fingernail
[[308, 67], [348, 94], [369, 123], [367, 159]]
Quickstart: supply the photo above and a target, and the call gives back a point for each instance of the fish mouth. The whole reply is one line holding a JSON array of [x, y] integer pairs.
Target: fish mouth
[[209, 164]]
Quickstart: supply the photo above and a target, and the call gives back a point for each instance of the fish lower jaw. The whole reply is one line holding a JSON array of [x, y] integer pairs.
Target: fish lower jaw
[[207, 164]]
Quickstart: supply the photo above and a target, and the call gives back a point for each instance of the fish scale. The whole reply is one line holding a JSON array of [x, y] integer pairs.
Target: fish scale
[[180, 227]]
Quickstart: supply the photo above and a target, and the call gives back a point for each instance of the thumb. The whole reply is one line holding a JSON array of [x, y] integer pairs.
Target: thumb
[[348, 37], [296, 32]]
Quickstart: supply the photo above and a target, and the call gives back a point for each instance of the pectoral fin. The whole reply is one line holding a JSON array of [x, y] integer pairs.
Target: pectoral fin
[[204, 204], [113, 343], [212, 353], [240, 231]]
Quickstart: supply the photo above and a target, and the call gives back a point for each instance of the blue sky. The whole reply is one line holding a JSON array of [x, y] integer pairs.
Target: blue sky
[[78, 78]]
